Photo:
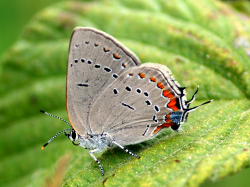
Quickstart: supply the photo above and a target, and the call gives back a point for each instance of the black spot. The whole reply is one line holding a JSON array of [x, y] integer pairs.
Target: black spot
[[71, 65], [87, 42], [81, 84], [155, 118], [130, 107], [157, 108], [97, 66], [89, 62], [146, 130], [82, 60], [96, 45], [76, 45], [115, 91], [107, 69], [148, 102], [115, 75], [128, 88], [175, 127], [76, 60], [138, 90], [146, 94]]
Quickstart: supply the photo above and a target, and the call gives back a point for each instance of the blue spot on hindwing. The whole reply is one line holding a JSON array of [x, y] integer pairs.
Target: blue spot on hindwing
[[176, 117]]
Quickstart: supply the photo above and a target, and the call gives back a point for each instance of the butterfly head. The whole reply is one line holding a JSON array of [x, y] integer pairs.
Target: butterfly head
[[73, 135], [180, 117]]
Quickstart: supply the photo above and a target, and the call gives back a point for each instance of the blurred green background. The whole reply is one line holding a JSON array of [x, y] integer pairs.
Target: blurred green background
[[15, 14]]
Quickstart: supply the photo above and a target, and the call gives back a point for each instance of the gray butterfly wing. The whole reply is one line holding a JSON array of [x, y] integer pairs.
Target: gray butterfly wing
[[95, 61], [137, 105]]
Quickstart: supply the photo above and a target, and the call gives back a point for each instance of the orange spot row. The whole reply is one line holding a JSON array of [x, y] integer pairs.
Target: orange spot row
[[175, 108], [160, 85], [166, 93], [116, 56], [167, 118], [172, 104], [164, 125], [142, 75], [153, 79], [106, 50], [167, 124], [131, 74], [124, 65]]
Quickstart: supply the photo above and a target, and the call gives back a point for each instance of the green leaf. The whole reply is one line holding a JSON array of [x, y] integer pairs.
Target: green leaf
[[205, 44]]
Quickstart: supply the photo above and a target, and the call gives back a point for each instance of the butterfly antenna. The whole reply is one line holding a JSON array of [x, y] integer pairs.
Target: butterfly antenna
[[193, 97], [194, 108], [54, 137], [55, 117], [188, 110]]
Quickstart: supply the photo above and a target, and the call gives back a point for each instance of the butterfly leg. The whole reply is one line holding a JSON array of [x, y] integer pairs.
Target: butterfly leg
[[126, 150], [98, 162]]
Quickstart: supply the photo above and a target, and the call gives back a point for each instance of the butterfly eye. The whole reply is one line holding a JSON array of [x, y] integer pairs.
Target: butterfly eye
[[73, 135]]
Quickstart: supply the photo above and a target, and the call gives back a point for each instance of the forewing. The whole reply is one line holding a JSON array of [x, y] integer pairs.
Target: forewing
[[95, 60]]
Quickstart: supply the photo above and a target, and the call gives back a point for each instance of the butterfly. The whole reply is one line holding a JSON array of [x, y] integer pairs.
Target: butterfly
[[114, 100]]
